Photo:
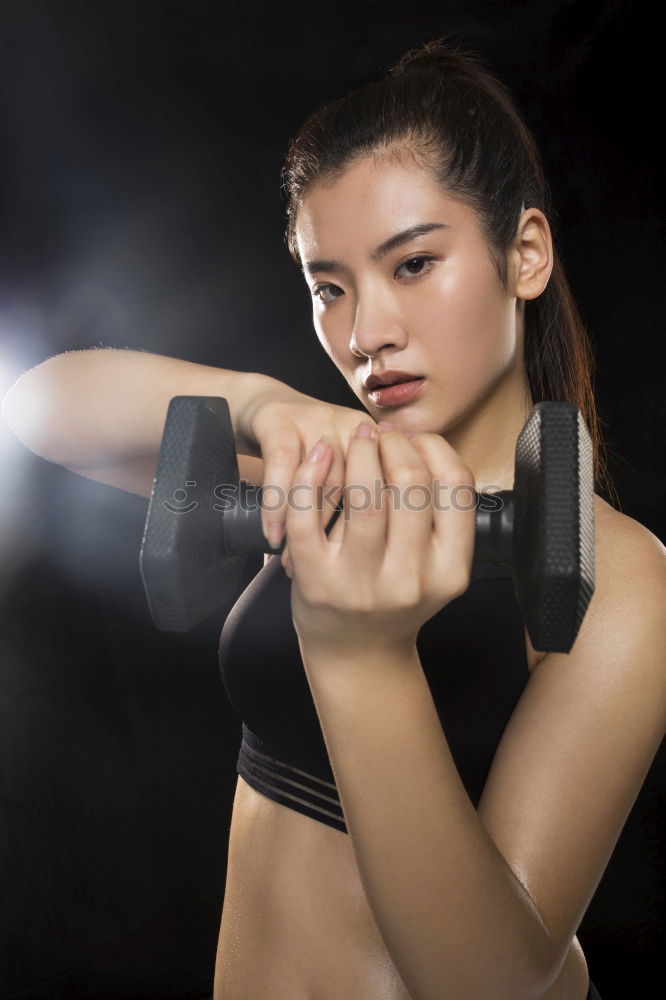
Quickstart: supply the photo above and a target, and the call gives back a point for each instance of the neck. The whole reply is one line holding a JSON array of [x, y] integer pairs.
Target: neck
[[486, 438]]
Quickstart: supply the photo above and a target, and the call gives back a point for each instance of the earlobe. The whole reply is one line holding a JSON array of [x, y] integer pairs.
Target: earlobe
[[534, 246]]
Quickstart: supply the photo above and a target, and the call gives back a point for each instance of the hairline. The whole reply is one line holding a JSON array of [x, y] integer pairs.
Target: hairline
[[425, 153]]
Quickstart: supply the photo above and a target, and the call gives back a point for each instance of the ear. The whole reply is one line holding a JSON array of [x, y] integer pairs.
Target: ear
[[531, 255]]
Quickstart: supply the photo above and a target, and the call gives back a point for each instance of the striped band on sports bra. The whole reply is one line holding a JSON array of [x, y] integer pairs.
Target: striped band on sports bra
[[289, 785]]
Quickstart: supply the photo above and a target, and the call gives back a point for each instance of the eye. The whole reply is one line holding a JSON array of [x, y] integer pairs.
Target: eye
[[320, 288], [423, 259], [417, 260]]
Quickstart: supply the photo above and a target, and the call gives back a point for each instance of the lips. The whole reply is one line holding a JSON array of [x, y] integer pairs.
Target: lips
[[398, 393], [391, 376]]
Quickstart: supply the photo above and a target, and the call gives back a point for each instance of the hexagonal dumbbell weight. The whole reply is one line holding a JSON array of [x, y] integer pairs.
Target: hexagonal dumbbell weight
[[203, 521]]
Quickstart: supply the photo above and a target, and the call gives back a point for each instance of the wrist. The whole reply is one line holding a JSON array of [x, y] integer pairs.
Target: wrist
[[255, 389], [376, 660]]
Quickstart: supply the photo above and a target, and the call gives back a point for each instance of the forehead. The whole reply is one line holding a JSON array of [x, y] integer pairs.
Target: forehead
[[369, 202]]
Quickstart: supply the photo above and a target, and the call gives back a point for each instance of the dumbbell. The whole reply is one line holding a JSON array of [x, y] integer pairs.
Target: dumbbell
[[203, 521]]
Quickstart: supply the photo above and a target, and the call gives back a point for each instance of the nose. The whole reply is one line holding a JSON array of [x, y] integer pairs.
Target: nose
[[374, 330]]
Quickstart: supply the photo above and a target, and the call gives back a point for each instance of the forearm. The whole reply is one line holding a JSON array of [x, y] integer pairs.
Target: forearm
[[454, 917], [101, 407]]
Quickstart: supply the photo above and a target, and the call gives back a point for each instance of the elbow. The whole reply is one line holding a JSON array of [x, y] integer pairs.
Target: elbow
[[564, 975], [540, 976], [27, 417], [492, 979], [521, 963], [526, 974]]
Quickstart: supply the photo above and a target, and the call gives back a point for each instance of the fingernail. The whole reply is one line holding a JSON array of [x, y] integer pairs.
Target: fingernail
[[319, 449], [384, 425], [275, 533], [364, 431]]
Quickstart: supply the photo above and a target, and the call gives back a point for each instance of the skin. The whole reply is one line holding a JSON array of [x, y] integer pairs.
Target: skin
[[450, 319], [464, 331]]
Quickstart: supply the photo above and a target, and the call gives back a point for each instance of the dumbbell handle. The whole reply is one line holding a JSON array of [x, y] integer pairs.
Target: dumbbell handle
[[493, 533]]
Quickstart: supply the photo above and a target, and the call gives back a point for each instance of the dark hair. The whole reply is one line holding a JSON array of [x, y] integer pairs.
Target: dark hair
[[439, 105]]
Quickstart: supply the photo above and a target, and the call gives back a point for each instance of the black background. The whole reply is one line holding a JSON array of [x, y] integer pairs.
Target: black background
[[140, 199]]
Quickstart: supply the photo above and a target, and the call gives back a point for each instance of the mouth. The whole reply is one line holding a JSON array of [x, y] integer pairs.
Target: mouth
[[389, 376], [401, 380], [397, 392]]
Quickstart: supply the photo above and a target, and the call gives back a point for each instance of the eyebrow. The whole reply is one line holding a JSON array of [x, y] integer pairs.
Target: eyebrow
[[385, 248]]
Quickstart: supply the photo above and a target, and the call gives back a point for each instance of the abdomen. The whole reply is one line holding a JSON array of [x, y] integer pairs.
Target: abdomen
[[296, 924]]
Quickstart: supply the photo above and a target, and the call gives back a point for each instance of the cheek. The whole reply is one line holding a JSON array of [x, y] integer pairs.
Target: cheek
[[332, 344], [324, 337], [469, 319]]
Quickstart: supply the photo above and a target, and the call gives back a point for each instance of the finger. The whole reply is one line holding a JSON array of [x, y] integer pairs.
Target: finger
[[409, 479], [305, 535], [282, 458], [335, 481], [332, 492], [335, 536], [454, 501], [333, 489], [365, 514]]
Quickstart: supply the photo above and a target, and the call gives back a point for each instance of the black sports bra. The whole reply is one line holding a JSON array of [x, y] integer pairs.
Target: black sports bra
[[473, 656]]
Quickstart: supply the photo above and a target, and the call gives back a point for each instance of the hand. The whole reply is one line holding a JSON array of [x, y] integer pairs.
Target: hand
[[386, 567], [283, 424]]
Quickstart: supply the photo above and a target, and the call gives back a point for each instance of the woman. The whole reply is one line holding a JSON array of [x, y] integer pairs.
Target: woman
[[425, 803], [418, 213]]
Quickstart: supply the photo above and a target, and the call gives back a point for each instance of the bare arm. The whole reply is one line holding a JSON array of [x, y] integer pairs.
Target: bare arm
[[487, 901], [101, 412]]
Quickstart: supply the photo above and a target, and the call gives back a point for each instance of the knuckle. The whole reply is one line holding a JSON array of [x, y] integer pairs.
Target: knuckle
[[297, 532], [409, 474], [427, 441], [461, 474], [411, 591], [459, 581], [281, 455], [410, 597]]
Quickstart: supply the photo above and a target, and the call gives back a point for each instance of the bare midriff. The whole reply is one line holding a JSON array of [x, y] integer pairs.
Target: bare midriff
[[296, 922]]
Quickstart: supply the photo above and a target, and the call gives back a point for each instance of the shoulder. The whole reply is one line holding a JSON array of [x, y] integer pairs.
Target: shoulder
[[626, 613], [627, 547], [581, 739], [629, 578]]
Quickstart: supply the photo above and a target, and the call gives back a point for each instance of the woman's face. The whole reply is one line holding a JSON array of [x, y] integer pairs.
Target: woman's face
[[446, 318]]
